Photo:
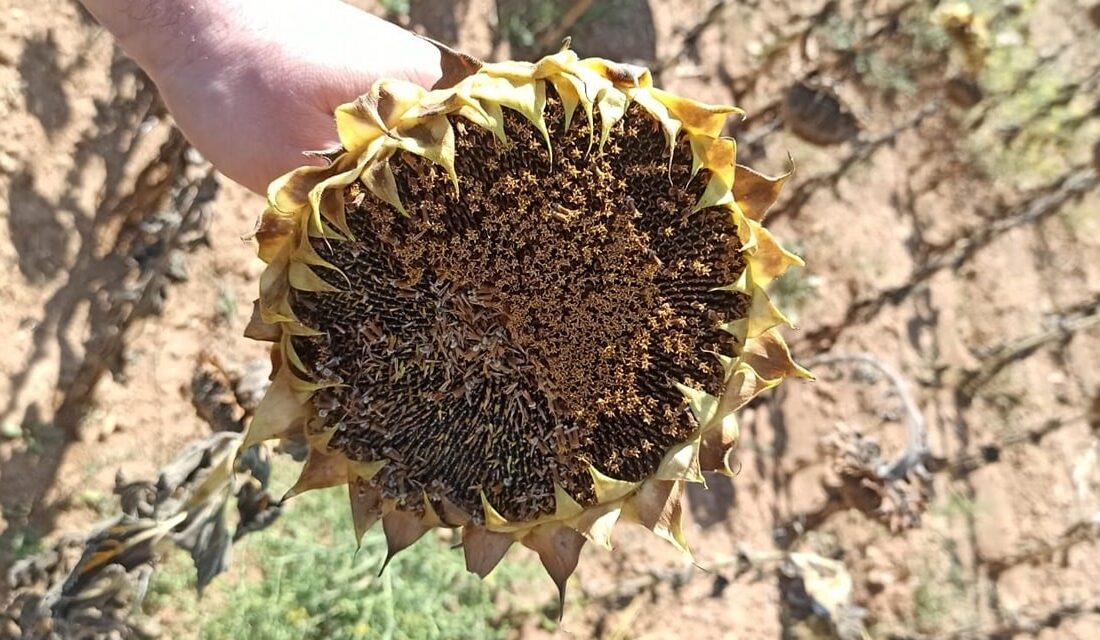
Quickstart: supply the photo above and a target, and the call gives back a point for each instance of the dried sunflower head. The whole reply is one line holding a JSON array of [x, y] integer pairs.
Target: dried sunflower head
[[526, 305]]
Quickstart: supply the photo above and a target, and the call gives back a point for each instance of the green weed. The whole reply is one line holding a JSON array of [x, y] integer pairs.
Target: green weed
[[941, 598], [792, 289], [523, 20], [303, 578], [395, 7], [1041, 124], [225, 306], [23, 543], [956, 505]]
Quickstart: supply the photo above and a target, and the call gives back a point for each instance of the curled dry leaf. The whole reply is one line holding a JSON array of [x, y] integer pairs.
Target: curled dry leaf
[[963, 91], [816, 114], [90, 586]]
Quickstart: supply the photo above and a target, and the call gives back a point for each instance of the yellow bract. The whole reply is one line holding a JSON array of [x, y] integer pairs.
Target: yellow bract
[[397, 116]]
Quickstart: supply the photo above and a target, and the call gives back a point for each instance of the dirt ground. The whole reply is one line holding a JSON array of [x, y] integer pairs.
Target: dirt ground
[[952, 238]]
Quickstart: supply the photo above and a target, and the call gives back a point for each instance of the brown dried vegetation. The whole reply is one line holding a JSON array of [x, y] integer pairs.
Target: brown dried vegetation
[[954, 237]]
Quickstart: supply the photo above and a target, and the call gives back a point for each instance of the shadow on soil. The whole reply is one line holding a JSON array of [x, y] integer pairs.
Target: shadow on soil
[[43, 244]]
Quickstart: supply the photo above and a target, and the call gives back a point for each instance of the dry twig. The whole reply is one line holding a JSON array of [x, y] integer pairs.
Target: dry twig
[[893, 491], [862, 151], [992, 452], [691, 36], [553, 36], [953, 254], [1045, 551], [1032, 625], [89, 587], [769, 112], [1081, 317]]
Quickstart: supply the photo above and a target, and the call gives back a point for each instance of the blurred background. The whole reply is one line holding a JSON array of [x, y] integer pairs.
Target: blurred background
[[939, 480]]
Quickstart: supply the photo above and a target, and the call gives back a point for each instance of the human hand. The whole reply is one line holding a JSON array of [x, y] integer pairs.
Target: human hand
[[253, 83]]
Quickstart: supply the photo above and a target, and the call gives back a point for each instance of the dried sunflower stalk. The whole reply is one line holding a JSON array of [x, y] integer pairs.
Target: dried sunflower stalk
[[526, 304]]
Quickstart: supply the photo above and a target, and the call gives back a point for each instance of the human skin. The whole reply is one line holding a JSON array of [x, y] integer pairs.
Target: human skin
[[253, 83]]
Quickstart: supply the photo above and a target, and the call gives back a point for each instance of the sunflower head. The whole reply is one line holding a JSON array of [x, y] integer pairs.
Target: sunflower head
[[525, 305]]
